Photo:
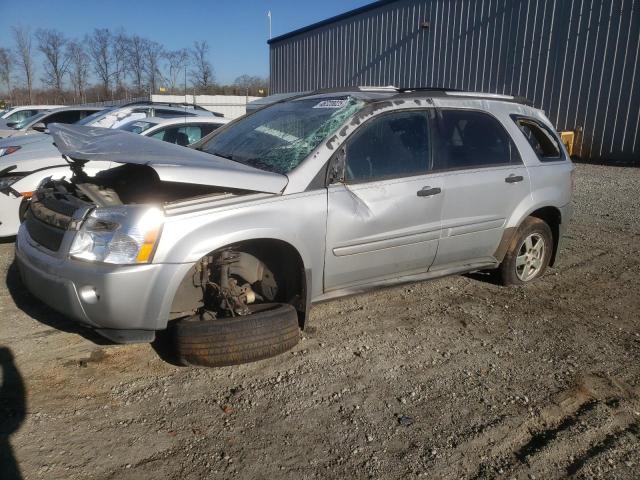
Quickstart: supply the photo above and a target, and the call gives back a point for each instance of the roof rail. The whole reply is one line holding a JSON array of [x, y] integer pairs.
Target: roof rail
[[166, 104], [456, 92], [427, 89]]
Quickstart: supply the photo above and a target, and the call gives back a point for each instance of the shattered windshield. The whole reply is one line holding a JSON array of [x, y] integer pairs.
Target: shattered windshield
[[278, 138]]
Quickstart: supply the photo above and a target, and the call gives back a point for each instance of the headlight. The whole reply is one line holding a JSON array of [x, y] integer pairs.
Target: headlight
[[9, 150], [120, 235], [9, 180]]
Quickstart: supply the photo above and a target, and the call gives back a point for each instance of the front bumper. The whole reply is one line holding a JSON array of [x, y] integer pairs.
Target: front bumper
[[110, 298]]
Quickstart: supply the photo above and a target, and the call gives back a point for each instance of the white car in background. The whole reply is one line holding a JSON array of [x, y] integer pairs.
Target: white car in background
[[23, 170], [38, 123], [17, 114]]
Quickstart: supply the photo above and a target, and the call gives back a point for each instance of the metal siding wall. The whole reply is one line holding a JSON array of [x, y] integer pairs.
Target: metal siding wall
[[576, 59]]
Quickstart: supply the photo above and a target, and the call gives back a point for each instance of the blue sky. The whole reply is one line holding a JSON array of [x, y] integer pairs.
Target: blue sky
[[236, 30]]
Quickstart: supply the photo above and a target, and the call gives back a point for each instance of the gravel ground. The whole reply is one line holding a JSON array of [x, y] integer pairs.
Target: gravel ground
[[455, 378]]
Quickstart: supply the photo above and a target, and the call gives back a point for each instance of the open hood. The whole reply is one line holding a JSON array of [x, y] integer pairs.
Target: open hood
[[173, 163]]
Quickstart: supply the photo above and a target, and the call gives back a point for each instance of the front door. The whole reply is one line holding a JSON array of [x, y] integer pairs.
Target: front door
[[383, 219]]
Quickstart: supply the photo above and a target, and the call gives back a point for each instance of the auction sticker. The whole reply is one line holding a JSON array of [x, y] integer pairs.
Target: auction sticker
[[332, 103]]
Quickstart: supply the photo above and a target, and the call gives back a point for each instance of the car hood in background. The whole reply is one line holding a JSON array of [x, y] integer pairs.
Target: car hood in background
[[34, 138], [173, 163], [32, 156]]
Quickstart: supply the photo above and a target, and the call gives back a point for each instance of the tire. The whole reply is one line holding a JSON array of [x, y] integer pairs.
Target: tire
[[270, 330], [514, 269]]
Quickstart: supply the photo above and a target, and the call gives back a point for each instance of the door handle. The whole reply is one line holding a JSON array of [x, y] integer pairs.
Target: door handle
[[514, 178], [428, 191]]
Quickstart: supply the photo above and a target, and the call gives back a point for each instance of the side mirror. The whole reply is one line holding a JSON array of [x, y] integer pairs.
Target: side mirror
[[39, 127]]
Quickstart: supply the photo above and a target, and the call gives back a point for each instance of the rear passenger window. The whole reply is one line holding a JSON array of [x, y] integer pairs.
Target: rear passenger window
[[391, 146], [469, 139], [543, 142]]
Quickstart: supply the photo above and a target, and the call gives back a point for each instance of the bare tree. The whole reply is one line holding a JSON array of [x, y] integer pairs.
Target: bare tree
[[78, 67], [154, 53], [177, 61], [250, 85], [6, 65], [119, 44], [136, 47], [202, 71], [102, 56], [24, 58], [51, 43]]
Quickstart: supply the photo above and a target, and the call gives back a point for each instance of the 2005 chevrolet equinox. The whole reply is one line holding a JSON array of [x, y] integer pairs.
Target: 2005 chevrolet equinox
[[228, 244]]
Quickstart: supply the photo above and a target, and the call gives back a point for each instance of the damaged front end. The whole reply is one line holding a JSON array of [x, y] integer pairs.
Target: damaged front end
[[116, 215], [118, 212]]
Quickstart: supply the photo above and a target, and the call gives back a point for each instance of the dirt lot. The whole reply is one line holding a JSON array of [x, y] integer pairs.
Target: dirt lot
[[456, 378]]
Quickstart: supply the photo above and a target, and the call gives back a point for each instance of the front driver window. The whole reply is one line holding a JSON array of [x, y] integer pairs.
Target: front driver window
[[393, 145]]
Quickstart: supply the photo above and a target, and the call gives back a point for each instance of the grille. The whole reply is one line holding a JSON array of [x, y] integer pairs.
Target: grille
[[46, 235], [48, 218]]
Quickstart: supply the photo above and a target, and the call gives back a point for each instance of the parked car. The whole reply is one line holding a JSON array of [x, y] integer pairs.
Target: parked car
[[181, 131], [39, 122], [17, 114], [228, 244], [41, 160]]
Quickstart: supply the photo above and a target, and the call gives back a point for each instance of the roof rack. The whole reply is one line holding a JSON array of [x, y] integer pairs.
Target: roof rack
[[166, 104], [455, 92], [427, 89]]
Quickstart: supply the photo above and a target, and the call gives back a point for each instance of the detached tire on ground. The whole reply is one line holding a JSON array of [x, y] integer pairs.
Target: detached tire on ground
[[529, 253], [270, 330]]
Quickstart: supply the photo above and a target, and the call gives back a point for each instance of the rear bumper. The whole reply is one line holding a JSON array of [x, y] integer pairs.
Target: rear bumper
[[105, 297], [566, 213]]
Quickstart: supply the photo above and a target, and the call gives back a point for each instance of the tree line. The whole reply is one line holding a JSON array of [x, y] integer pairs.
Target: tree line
[[107, 65]]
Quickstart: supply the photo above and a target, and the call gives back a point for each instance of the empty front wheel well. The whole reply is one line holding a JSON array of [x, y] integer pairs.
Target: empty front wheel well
[[552, 217], [277, 256]]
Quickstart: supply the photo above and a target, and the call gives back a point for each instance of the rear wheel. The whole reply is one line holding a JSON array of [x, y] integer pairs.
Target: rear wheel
[[270, 329], [529, 253]]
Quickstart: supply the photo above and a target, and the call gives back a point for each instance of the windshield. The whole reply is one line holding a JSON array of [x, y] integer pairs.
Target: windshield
[[278, 138], [90, 118], [33, 118], [137, 126]]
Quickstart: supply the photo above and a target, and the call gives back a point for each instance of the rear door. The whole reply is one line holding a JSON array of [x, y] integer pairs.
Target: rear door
[[484, 181], [384, 219]]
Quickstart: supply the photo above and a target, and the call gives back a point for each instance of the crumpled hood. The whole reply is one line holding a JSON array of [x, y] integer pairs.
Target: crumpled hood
[[173, 163]]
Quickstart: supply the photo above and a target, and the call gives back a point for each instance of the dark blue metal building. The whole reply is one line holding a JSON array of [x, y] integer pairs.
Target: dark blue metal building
[[576, 59]]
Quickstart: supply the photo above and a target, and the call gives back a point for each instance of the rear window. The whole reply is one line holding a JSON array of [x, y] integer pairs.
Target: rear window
[[542, 140]]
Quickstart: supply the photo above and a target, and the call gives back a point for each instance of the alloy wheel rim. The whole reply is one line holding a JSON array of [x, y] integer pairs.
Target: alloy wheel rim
[[529, 260]]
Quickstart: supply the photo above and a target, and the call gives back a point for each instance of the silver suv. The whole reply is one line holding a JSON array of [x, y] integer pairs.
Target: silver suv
[[226, 246]]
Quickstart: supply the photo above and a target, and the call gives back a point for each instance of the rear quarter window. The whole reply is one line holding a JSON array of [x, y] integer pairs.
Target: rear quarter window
[[543, 141]]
